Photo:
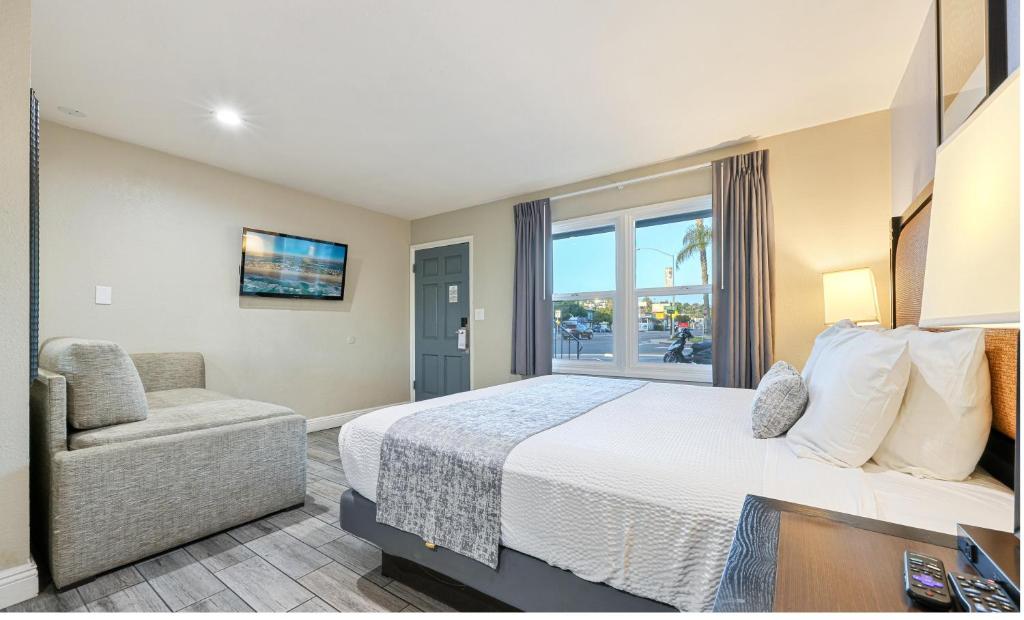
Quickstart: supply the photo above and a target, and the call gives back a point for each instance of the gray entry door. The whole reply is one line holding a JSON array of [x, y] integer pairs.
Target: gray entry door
[[442, 307]]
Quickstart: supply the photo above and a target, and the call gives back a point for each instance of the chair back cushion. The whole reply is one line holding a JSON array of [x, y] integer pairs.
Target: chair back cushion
[[103, 387]]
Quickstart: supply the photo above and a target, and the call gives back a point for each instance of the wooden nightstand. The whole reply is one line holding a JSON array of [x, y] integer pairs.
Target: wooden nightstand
[[789, 557]]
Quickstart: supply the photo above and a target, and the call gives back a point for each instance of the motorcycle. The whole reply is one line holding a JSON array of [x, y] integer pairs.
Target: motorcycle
[[698, 353]]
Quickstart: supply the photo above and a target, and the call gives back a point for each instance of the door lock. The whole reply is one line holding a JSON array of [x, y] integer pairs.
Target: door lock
[[462, 335]]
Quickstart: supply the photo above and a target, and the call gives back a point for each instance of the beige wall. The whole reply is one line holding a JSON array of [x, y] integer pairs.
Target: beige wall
[[15, 24], [165, 233], [915, 120], [830, 186], [831, 192]]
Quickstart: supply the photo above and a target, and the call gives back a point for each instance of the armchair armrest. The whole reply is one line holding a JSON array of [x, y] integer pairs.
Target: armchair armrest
[[48, 414], [48, 424], [170, 371]]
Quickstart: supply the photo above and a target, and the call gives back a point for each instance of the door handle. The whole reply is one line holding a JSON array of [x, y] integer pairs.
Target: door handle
[[462, 336]]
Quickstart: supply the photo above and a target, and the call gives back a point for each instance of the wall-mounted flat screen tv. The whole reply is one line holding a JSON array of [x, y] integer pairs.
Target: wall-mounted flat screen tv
[[279, 265]]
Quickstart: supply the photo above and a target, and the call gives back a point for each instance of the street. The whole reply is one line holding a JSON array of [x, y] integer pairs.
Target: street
[[653, 345]]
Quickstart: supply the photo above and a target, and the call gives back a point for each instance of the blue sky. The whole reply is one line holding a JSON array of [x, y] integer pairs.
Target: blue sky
[[588, 263]]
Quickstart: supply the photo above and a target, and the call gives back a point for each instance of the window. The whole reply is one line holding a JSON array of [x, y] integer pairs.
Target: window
[[673, 288], [584, 294], [632, 292]]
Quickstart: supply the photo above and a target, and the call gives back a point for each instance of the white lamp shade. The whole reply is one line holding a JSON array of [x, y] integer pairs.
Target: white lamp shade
[[850, 295], [972, 271]]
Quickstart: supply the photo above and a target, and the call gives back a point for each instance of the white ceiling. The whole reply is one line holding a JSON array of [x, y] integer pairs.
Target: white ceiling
[[417, 107]]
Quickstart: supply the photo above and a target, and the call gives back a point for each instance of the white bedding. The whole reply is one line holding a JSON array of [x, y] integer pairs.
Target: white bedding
[[644, 492]]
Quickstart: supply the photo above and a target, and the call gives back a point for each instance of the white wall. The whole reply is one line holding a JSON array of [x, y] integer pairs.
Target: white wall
[[915, 120], [165, 233], [15, 22]]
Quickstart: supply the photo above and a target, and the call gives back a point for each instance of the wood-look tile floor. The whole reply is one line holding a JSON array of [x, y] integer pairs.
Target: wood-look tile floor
[[299, 560]]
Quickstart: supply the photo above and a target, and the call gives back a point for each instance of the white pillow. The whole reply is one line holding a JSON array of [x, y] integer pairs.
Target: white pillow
[[830, 330], [855, 385], [944, 422]]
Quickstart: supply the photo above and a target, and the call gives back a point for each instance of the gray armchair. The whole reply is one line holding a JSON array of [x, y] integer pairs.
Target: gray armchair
[[198, 462]]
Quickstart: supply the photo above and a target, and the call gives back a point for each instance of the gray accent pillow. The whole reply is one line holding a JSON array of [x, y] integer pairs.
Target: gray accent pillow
[[779, 402], [103, 386]]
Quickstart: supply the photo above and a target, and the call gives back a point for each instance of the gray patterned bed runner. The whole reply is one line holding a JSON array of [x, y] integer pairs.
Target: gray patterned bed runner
[[440, 469]]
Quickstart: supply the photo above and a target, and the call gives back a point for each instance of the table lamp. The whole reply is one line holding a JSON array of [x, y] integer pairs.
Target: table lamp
[[850, 294], [972, 269]]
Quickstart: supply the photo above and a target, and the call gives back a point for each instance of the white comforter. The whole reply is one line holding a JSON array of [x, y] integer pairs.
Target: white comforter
[[643, 493]]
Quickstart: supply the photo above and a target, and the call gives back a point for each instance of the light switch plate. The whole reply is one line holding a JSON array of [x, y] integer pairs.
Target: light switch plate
[[104, 295], [478, 314]]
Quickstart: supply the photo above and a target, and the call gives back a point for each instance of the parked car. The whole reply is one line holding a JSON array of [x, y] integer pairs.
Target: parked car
[[571, 329]]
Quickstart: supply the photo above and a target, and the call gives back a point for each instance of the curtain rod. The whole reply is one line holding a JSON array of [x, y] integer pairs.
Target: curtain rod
[[622, 184]]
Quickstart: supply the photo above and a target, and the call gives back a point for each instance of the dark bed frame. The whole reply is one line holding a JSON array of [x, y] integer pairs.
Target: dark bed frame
[[520, 583]]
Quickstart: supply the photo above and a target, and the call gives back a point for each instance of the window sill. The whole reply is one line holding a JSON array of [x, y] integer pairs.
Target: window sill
[[689, 373]]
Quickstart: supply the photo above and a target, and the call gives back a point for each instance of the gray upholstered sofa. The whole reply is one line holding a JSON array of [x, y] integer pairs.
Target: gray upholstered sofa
[[193, 462]]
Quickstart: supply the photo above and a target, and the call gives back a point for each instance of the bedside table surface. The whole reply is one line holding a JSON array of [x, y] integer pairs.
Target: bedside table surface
[[790, 557]]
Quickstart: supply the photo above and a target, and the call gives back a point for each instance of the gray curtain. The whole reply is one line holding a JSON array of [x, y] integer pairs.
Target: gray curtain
[[33, 237], [743, 270], [531, 295]]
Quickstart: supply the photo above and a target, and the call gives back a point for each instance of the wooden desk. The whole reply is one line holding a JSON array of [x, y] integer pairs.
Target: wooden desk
[[789, 557]]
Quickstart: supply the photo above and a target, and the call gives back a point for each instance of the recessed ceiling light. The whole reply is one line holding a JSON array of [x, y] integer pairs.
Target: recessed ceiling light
[[228, 117], [71, 111]]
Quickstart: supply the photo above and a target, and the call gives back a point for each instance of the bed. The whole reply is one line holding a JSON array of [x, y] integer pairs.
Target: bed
[[605, 497], [632, 505]]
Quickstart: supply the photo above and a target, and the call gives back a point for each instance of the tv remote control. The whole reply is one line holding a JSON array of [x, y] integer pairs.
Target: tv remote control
[[980, 594], [924, 579]]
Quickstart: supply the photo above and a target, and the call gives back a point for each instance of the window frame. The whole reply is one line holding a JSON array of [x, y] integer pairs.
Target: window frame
[[626, 342]]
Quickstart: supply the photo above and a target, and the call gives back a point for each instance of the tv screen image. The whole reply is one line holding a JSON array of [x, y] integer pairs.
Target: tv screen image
[[280, 265]]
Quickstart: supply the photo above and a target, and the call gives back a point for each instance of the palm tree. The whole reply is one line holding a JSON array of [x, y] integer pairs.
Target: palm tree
[[697, 240]]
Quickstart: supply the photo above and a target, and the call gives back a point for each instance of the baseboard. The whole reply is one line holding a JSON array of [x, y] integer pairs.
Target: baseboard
[[334, 421], [18, 584]]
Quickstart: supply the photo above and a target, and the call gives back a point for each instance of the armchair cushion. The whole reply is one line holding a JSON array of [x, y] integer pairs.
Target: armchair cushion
[[181, 419], [103, 387]]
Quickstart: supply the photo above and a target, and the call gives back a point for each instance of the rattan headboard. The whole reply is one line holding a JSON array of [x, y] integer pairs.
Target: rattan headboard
[[909, 250]]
